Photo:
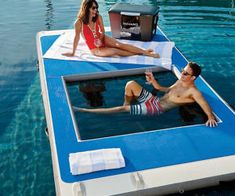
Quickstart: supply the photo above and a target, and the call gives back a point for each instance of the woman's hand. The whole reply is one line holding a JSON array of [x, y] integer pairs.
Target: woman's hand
[[102, 38], [102, 35]]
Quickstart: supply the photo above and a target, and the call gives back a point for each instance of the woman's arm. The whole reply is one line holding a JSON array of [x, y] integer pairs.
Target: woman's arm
[[101, 25], [77, 27], [150, 79]]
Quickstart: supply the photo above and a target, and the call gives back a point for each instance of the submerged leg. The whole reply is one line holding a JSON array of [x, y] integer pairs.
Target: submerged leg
[[132, 90], [128, 99], [117, 109]]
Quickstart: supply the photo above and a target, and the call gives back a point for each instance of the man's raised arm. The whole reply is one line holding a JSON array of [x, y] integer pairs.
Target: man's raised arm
[[151, 80]]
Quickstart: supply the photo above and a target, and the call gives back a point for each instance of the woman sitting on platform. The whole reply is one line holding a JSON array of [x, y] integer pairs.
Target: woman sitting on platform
[[90, 24]]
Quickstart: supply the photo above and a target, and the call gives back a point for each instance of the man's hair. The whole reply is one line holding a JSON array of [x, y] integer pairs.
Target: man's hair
[[196, 68]]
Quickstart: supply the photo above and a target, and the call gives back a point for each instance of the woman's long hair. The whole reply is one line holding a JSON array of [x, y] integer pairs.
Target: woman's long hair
[[84, 11]]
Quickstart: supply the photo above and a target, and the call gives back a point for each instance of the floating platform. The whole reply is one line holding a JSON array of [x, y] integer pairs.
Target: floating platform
[[158, 162]]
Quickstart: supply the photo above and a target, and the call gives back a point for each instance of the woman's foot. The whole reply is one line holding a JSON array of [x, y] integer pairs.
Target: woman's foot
[[149, 50], [154, 55], [151, 53]]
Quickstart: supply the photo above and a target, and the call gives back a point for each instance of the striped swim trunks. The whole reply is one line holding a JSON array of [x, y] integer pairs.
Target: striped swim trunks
[[147, 105]]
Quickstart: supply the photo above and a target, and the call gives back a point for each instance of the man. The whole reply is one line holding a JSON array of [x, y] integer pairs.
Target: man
[[183, 91]]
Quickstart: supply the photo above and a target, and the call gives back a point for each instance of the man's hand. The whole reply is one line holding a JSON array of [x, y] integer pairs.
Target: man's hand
[[149, 77], [69, 54], [211, 122]]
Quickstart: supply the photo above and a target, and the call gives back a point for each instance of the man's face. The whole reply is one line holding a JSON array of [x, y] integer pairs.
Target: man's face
[[187, 74]]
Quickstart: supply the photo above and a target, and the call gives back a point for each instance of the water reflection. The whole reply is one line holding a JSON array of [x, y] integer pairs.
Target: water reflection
[[49, 14], [232, 11]]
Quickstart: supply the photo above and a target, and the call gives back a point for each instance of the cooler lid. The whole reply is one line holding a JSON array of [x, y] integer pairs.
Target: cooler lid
[[142, 9]]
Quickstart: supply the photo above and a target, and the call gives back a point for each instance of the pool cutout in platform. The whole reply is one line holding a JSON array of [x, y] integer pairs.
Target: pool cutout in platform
[[101, 91]]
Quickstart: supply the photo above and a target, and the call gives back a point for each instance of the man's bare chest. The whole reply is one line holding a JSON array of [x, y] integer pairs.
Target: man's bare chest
[[179, 94]]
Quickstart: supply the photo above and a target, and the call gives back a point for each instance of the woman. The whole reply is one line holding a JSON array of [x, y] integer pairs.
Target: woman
[[90, 24]]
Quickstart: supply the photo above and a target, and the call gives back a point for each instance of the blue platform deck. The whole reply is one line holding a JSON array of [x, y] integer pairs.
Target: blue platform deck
[[144, 150]]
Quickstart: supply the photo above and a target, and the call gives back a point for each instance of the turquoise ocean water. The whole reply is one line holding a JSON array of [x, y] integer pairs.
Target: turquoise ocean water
[[204, 31]]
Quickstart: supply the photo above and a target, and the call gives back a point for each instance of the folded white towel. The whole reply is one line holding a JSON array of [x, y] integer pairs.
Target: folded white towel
[[64, 44], [95, 160]]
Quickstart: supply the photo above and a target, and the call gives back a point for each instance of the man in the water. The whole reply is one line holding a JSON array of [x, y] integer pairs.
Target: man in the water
[[183, 91]]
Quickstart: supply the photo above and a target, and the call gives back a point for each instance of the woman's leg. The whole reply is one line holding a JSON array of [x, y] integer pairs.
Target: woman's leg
[[111, 42], [132, 90], [110, 52]]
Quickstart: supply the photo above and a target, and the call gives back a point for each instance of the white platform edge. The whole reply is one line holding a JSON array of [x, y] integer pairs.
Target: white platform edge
[[164, 180]]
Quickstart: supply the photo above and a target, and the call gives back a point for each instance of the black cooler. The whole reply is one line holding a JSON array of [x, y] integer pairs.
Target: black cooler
[[137, 22]]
